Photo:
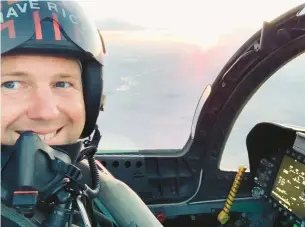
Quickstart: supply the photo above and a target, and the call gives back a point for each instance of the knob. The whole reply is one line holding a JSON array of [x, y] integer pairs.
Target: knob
[[291, 217], [257, 192]]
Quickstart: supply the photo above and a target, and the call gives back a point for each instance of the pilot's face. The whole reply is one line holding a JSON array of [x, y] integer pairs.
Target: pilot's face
[[42, 94]]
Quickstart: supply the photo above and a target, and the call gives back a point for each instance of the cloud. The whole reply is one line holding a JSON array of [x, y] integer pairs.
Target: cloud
[[113, 24], [129, 82]]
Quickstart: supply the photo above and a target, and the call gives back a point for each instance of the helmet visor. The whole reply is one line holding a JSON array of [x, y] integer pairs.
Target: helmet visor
[[22, 21]]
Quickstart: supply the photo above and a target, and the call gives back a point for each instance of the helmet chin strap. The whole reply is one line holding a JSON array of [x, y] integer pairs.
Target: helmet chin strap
[[95, 138], [90, 145]]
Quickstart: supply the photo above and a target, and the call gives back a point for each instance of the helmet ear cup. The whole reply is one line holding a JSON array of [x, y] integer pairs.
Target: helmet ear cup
[[92, 79]]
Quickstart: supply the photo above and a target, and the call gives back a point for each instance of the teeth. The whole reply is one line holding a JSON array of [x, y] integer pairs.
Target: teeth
[[47, 136]]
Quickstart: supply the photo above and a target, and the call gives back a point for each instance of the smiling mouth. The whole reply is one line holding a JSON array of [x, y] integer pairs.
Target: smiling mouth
[[44, 136]]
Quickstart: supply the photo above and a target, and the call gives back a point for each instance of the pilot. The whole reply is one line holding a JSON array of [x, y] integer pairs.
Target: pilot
[[51, 84]]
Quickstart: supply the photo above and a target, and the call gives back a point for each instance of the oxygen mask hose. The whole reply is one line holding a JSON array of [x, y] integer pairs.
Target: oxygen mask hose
[[88, 153], [223, 216]]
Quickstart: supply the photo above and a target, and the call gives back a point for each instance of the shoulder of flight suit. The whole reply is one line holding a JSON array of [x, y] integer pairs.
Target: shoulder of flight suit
[[124, 205]]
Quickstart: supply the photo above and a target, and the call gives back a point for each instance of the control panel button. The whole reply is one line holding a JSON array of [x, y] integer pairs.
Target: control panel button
[[257, 192]]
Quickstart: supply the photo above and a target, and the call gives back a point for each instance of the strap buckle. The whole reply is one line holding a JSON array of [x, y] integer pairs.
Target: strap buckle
[[69, 170], [25, 201]]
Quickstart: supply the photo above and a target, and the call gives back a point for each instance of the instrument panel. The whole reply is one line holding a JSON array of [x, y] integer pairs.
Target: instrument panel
[[280, 180], [289, 186]]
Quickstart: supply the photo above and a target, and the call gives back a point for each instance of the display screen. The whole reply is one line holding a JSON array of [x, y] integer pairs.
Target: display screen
[[289, 186]]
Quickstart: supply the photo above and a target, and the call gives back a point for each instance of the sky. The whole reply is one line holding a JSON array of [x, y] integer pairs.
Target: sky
[[195, 21], [191, 13], [189, 21]]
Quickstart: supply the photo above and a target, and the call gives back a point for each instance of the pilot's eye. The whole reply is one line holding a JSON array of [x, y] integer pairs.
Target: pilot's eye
[[11, 85], [63, 84]]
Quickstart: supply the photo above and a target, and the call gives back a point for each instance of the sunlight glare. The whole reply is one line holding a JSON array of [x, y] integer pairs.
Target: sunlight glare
[[193, 21]]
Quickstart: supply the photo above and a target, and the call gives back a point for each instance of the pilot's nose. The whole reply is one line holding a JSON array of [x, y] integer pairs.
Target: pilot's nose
[[43, 105]]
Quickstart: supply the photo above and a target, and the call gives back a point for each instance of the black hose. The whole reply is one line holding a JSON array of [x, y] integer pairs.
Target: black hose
[[87, 152], [92, 193], [94, 172]]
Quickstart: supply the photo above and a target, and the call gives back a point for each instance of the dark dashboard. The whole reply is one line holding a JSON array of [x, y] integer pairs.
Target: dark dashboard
[[270, 195], [280, 174]]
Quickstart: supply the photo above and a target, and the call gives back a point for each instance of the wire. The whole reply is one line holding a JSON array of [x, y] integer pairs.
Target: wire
[[71, 217]]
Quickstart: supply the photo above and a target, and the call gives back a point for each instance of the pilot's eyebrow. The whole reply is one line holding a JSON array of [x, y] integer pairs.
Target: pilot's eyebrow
[[23, 74], [65, 75], [15, 74]]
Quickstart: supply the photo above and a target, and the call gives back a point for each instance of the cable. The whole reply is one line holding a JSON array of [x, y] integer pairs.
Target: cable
[[71, 217], [89, 208]]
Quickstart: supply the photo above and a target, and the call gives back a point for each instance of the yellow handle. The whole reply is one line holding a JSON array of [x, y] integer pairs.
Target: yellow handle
[[223, 216]]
